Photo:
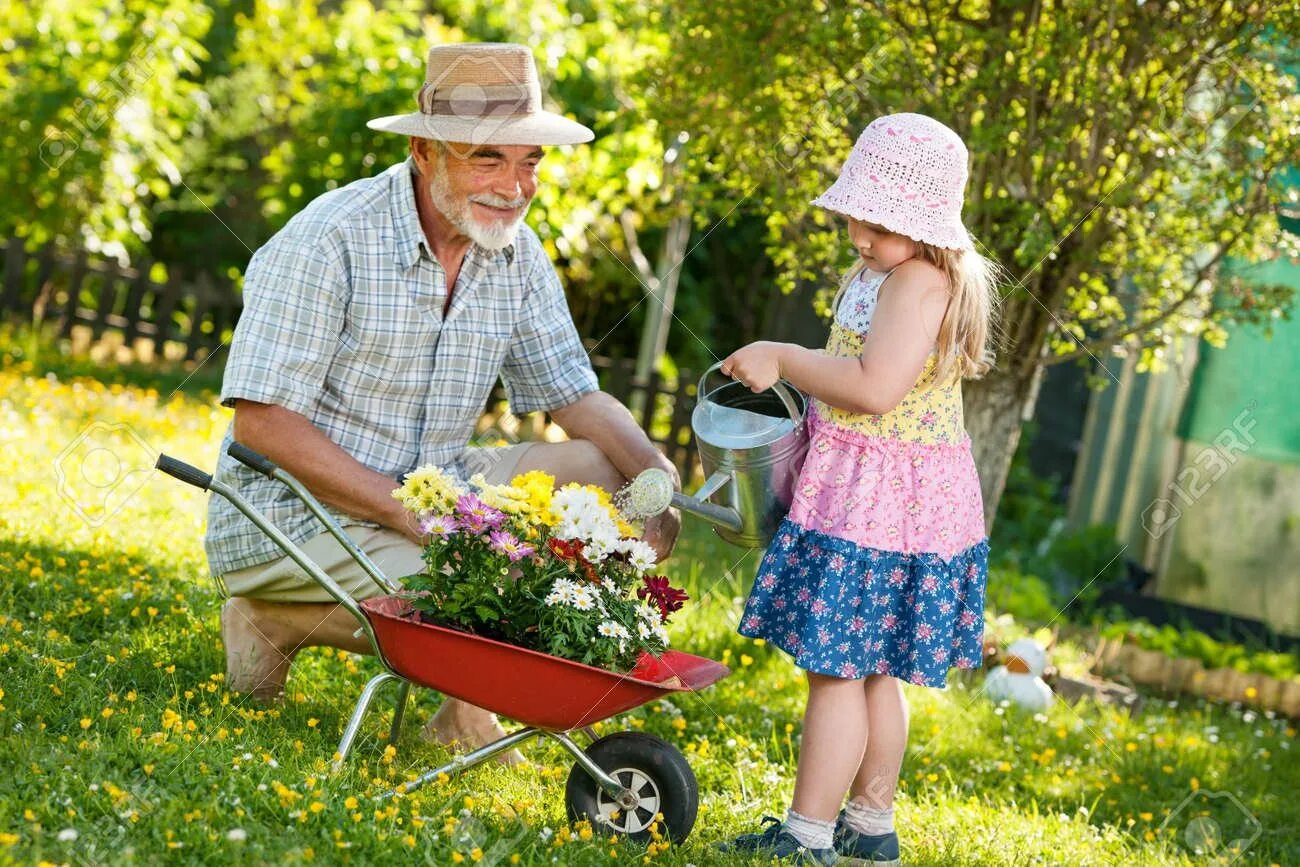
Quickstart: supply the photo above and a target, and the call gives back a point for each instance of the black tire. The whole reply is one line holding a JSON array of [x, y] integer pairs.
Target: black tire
[[653, 768]]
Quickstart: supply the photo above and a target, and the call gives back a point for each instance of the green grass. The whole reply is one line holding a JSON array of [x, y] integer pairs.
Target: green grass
[[116, 724]]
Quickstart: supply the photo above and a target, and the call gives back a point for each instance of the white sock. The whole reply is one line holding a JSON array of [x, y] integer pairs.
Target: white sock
[[813, 833], [868, 820]]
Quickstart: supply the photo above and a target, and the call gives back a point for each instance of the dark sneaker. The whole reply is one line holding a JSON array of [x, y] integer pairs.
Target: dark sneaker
[[774, 841], [860, 849]]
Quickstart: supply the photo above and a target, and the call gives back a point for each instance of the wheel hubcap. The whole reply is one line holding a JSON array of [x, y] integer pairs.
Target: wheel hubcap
[[644, 798]]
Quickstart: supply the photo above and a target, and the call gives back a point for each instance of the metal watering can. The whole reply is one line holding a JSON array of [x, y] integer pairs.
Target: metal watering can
[[751, 446]]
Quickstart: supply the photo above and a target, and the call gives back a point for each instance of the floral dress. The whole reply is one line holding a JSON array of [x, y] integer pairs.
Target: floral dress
[[881, 564]]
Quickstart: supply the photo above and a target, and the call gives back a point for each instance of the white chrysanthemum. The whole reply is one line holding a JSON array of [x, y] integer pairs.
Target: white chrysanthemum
[[598, 550], [573, 501], [581, 515], [640, 555]]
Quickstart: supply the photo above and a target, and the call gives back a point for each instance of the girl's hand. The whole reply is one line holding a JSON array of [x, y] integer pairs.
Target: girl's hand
[[757, 365]]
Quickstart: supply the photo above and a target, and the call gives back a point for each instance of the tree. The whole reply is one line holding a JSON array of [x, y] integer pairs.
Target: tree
[[1119, 152], [95, 101]]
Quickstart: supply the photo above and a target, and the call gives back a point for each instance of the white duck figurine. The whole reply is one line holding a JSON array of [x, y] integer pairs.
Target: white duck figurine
[[1020, 678]]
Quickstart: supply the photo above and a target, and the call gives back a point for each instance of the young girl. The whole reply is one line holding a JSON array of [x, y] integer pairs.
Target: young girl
[[877, 575]]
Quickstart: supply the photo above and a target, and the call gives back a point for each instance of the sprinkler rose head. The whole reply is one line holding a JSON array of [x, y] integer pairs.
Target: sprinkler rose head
[[649, 494]]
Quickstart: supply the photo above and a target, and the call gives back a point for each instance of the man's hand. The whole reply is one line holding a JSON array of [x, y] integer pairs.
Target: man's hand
[[661, 533]]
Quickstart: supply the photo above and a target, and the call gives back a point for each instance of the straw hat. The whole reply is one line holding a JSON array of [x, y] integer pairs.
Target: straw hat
[[483, 93], [907, 172]]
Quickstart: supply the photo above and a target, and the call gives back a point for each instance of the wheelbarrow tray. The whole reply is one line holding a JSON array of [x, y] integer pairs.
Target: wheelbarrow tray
[[533, 688]]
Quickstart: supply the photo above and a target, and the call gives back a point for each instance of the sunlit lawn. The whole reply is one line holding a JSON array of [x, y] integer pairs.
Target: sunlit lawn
[[122, 745]]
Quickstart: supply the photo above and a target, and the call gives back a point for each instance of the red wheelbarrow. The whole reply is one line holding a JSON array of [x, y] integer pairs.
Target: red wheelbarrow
[[620, 782]]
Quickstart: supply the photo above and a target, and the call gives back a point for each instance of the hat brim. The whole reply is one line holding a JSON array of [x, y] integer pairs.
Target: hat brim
[[541, 128], [946, 235]]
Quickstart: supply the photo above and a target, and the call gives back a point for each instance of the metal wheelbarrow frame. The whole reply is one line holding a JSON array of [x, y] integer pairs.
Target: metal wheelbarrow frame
[[623, 783]]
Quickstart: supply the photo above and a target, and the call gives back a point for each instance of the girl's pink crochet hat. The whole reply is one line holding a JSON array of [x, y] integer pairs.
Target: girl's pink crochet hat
[[907, 172]]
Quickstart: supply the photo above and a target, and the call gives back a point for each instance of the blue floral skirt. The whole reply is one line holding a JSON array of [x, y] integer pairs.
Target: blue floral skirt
[[848, 611]]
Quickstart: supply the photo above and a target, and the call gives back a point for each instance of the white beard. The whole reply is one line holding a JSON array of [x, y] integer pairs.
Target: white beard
[[493, 236]]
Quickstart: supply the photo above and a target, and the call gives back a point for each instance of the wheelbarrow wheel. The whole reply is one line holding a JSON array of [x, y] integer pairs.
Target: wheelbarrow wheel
[[652, 768]]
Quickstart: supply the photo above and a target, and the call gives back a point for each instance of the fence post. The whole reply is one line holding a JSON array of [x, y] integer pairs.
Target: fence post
[[106, 304], [15, 262], [75, 278], [169, 295], [202, 303], [45, 262], [131, 310], [680, 452]]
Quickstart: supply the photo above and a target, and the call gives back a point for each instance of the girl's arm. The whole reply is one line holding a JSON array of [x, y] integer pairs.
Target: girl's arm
[[904, 327]]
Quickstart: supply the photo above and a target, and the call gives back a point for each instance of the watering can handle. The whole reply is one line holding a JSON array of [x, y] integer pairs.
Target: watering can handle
[[780, 387]]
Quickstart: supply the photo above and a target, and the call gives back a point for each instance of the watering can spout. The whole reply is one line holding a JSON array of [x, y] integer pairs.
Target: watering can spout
[[751, 445], [699, 505]]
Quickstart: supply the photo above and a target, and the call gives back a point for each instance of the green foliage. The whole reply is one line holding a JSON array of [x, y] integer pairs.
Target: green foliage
[[1025, 597], [97, 100], [1118, 152], [1184, 641]]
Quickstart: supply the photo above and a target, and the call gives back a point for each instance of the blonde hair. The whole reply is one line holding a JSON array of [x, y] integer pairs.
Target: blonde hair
[[966, 346]]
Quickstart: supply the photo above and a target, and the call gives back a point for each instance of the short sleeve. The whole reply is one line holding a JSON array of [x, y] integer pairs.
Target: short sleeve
[[288, 332], [546, 367]]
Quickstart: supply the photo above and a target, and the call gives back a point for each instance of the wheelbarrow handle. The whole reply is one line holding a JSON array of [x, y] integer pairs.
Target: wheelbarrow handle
[[200, 479], [264, 465], [251, 459], [183, 471]]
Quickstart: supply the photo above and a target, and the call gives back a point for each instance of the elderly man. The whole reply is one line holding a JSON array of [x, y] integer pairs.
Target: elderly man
[[375, 324]]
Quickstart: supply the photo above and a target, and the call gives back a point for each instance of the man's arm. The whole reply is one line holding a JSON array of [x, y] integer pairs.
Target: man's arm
[[331, 474], [599, 418]]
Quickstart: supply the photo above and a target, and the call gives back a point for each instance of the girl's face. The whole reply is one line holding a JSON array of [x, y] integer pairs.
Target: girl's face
[[880, 248]]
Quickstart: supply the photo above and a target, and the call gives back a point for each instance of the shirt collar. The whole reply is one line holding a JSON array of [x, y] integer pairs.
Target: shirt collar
[[409, 237]]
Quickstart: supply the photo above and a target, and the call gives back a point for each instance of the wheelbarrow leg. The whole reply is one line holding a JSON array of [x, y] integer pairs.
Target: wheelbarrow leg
[[358, 714], [624, 796], [403, 690], [465, 761]]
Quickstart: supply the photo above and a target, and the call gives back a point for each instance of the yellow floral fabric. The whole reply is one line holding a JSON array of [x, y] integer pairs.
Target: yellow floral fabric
[[929, 413]]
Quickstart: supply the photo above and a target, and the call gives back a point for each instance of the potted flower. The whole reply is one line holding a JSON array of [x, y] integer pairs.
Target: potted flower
[[555, 571]]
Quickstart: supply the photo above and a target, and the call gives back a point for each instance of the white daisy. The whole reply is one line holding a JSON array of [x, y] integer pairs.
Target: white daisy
[[610, 629], [583, 599], [562, 592]]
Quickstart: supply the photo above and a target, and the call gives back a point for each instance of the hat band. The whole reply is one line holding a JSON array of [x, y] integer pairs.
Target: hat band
[[476, 100]]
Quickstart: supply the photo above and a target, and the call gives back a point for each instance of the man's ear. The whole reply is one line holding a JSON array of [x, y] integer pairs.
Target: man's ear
[[420, 152]]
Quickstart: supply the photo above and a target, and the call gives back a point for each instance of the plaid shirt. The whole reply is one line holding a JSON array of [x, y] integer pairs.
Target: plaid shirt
[[343, 323]]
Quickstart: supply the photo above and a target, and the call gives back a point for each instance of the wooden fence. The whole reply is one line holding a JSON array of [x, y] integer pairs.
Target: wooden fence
[[65, 289], [195, 317]]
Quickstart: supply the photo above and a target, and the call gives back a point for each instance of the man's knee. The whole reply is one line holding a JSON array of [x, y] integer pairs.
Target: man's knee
[[575, 460]]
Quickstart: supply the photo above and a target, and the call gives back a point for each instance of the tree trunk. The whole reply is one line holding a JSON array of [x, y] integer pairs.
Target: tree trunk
[[996, 407]]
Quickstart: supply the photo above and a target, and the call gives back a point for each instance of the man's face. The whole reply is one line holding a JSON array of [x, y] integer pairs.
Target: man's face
[[485, 194]]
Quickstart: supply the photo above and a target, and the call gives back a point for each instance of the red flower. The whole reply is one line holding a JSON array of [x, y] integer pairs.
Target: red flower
[[570, 550], [664, 596], [565, 549]]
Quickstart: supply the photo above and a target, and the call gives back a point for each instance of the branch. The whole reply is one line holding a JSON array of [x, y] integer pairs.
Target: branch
[[634, 249], [1104, 342]]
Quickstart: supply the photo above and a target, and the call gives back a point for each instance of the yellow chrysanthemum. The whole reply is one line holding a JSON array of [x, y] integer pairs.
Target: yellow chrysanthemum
[[508, 498], [428, 489], [538, 488]]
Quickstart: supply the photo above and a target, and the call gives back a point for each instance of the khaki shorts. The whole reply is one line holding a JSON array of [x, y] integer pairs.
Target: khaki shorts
[[396, 555]]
